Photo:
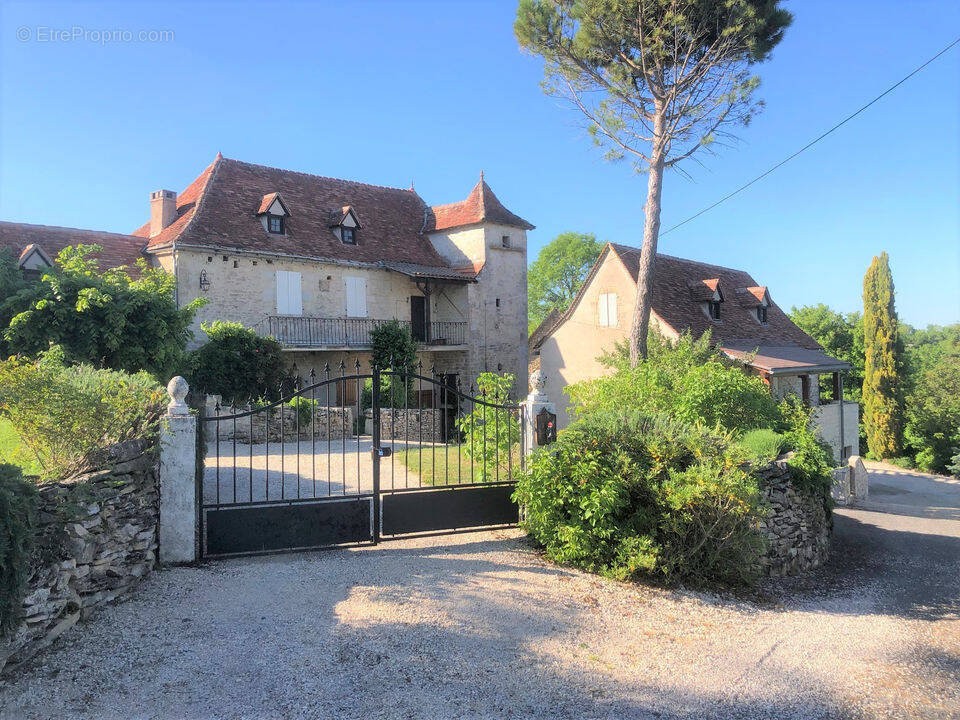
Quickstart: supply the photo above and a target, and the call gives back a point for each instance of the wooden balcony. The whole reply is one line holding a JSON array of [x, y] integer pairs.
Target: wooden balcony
[[352, 333]]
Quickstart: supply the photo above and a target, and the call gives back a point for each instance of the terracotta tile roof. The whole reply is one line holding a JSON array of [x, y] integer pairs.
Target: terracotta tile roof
[[187, 202], [480, 206], [117, 249], [267, 201], [672, 302], [751, 297], [703, 290], [218, 210]]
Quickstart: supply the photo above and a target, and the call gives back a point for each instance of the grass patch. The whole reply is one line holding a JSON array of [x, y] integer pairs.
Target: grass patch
[[13, 452], [450, 464]]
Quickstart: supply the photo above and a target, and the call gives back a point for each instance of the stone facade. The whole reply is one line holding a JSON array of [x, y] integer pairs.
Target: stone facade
[[96, 540], [243, 288], [797, 527]]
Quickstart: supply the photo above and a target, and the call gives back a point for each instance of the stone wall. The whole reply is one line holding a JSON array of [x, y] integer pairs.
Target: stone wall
[[411, 425], [797, 526], [333, 422], [96, 540]]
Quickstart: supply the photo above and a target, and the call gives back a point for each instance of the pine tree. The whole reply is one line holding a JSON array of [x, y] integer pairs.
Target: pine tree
[[882, 411]]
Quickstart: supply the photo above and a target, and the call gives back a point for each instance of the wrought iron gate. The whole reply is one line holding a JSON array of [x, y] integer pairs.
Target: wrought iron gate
[[299, 473]]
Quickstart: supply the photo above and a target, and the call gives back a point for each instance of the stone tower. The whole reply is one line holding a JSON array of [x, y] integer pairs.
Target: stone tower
[[480, 236]]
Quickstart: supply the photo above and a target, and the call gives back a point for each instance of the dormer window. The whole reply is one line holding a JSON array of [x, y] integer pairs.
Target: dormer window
[[762, 314], [273, 214], [345, 224], [715, 308]]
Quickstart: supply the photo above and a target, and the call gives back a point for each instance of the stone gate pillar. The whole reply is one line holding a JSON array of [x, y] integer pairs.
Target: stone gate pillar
[[536, 401], [179, 503]]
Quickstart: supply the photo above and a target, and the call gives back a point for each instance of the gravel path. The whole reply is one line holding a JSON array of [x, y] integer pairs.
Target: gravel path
[[479, 626], [345, 467]]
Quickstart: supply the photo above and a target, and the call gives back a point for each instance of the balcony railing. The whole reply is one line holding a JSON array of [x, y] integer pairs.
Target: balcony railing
[[349, 332]]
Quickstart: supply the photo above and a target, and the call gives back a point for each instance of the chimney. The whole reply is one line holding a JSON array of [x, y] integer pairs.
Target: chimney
[[163, 210]]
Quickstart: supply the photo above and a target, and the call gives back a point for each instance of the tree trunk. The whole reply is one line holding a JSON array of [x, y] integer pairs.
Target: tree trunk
[[648, 254]]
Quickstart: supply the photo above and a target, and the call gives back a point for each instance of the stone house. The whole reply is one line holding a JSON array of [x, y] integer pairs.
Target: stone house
[[745, 323], [318, 262]]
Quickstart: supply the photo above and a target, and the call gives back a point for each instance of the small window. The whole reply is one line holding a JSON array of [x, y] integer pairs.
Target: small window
[[348, 235], [715, 309], [505, 241], [762, 314], [275, 224], [607, 310]]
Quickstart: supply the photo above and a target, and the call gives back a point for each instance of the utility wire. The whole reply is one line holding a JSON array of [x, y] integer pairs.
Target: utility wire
[[812, 142]]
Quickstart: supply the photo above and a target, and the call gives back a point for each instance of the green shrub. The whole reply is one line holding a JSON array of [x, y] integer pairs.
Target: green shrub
[[628, 495], [304, 409], [236, 364], [688, 380], [18, 508], [392, 346], [63, 413], [904, 461], [762, 445], [812, 462], [490, 433], [392, 393]]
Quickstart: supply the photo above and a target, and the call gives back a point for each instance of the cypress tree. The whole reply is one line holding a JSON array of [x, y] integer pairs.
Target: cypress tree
[[882, 412]]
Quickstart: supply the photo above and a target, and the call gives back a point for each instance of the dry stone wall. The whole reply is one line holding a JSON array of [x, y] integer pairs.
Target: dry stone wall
[[96, 540], [328, 422], [797, 526], [412, 425]]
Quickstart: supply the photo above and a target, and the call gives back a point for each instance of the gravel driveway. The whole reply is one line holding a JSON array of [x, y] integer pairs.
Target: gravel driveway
[[479, 626]]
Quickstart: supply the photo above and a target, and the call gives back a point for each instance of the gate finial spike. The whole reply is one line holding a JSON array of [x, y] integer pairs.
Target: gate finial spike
[[356, 364], [326, 368], [433, 370], [313, 375], [343, 366]]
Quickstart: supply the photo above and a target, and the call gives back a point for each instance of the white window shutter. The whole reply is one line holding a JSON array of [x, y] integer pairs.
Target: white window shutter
[[356, 288], [289, 293], [295, 293], [612, 309], [281, 292], [603, 318]]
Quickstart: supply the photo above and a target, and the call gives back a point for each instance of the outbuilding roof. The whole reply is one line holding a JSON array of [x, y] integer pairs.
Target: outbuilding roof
[[117, 250]]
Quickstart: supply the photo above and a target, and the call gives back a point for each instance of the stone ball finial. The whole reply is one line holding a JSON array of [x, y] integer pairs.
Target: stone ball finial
[[177, 389]]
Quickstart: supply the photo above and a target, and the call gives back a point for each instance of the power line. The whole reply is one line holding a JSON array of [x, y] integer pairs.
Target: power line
[[812, 142]]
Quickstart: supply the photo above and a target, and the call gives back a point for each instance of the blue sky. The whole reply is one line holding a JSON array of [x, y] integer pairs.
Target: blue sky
[[433, 92]]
